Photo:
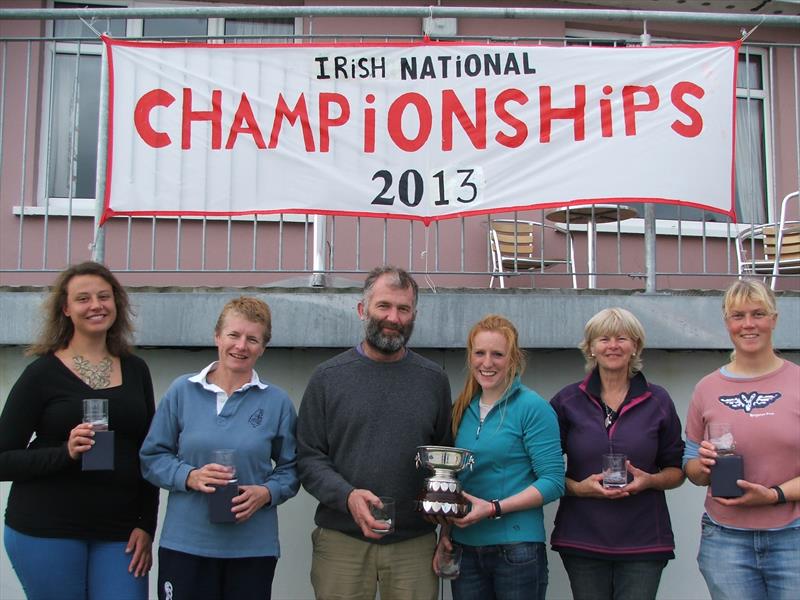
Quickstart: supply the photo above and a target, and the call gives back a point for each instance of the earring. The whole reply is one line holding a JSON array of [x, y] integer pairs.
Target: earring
[[592, 355], [633, 353]]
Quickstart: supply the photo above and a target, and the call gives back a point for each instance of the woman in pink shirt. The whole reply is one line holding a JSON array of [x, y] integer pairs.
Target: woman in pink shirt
[[750, 544]]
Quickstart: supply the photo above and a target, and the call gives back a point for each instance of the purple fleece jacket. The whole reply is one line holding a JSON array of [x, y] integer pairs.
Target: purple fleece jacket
[[648, 431]]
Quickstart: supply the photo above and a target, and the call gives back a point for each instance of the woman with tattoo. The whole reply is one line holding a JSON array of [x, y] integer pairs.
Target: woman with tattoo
[[69, 533]]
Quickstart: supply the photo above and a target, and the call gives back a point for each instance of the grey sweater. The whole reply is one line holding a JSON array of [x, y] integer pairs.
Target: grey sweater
[[359, 426]]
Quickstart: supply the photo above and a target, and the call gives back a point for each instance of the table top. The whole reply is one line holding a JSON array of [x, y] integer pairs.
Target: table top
[[580, 215]]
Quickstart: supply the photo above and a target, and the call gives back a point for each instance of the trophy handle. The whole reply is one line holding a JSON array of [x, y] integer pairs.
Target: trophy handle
[[470, 462], [417, 460]]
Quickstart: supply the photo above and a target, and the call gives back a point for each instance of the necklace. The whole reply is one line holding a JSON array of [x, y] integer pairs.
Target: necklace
[[618, 399], [611, 415], [95, 376]]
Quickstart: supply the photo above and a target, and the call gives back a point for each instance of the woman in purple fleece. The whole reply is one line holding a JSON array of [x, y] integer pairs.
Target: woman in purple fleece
[[615, 543]]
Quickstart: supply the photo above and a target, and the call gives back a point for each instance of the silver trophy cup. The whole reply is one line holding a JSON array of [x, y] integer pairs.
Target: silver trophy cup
[[442, 495]]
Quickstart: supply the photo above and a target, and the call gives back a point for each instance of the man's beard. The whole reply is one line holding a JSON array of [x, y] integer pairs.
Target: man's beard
[[387, 343]]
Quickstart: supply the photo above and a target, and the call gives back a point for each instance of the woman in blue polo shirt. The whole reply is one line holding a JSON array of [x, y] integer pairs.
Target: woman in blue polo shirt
[[226, 405], [614, 543]]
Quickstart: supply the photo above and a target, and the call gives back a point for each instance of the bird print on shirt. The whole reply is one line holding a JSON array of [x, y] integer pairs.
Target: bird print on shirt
[[747, 401]]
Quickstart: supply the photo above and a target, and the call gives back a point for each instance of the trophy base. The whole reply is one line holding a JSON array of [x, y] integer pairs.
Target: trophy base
[[442, 505], [442, 509]]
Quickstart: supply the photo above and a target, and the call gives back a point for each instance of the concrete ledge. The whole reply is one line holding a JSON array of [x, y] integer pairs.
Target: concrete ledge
[[326, 318]]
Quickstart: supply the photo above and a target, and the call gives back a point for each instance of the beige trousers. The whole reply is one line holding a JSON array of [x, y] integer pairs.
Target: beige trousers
[[346, 568]]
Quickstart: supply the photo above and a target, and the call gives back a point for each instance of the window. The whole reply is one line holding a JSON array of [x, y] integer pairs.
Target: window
[[73, 92], [274, 31], [751, 167], [74, 103], [751, 137], [753, 174]]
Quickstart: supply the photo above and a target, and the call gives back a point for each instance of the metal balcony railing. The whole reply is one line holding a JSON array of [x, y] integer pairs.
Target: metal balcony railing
[[49, 113]]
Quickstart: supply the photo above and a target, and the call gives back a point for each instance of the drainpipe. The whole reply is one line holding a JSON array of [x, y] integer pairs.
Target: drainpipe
[[99, 243], [320, 241], [649, 220]]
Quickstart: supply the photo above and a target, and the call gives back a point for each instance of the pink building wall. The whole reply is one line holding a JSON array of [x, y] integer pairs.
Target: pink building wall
[[456, 248]]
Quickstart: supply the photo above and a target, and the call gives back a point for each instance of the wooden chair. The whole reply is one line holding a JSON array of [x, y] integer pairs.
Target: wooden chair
[[770, 249], [515, 247]]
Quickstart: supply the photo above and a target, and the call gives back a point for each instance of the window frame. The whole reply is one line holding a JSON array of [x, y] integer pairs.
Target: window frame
[[46, 204], [687, 228]]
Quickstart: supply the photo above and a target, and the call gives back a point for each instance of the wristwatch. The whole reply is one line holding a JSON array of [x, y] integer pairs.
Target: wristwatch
[[498, 512]]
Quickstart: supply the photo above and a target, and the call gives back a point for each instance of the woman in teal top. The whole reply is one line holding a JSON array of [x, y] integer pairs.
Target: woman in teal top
[[514, 437]]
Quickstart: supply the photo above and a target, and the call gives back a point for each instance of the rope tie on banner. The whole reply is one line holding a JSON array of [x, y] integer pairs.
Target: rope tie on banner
[[645, 37], [746, 34], [90, 25], [425, 35]]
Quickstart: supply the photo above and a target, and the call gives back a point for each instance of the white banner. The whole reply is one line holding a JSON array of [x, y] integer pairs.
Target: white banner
[[415, 131]]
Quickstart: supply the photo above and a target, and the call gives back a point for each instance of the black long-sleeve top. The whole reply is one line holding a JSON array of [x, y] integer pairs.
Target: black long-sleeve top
[[50, 495]]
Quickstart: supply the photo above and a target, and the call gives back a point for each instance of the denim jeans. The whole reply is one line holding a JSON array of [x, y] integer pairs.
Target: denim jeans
[[750, 564], [598, 579], [503, 572], [70, 569]]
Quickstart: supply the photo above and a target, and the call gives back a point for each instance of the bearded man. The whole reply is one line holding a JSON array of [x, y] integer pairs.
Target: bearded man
[[363, 415]]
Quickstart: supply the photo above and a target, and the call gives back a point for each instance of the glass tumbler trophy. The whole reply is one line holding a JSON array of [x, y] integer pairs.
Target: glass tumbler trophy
[[729, 466], [220, 502], [101, 455]]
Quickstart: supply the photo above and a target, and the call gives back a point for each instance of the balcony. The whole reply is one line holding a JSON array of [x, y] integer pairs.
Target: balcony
[[49, 158]]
